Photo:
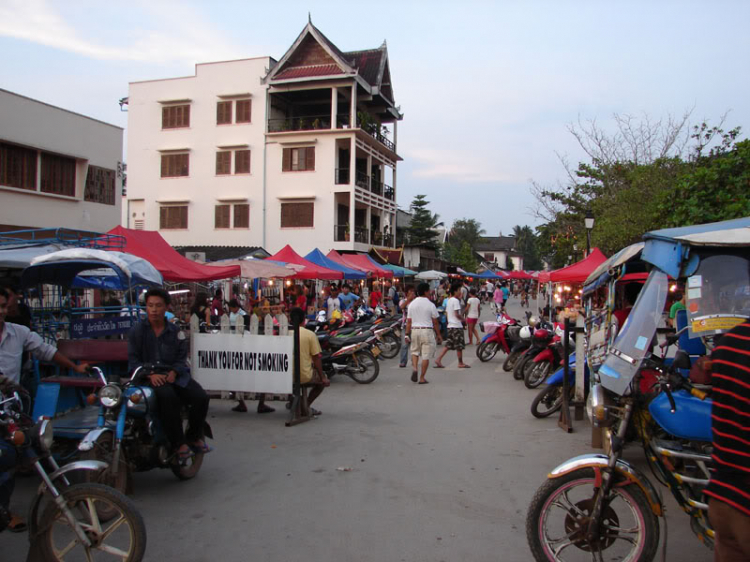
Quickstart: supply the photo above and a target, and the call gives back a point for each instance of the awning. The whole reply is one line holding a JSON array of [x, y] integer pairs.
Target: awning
[[319, 258], [431, 275], [518, 275], [256, 269], [399, 271], [311, 271], [579, 271], [338, 258], [363, 261], [150, 246], [489, 275]]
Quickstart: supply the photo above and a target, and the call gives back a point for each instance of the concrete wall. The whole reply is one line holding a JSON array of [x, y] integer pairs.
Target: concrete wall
[[36, 125]]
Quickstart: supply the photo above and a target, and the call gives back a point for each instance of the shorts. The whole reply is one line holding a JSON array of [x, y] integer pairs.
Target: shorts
[[472, 322], [423, 342], [455, 339]]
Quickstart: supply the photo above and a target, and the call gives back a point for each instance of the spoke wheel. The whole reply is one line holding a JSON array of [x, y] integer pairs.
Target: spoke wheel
[[486, 351], [547, 402], [535, 374], [511, 361], [389, 346], [188, 469], [121, 481], [363, 367], [121, 538], [559, 515]]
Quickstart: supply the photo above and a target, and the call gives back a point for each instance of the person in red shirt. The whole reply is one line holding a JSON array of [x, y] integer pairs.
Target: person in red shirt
[[301, 301], [375, 296]]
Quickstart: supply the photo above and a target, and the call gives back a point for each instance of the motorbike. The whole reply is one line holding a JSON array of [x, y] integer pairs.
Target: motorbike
[[501, 336], [69, 521], [541, 338], [129, 435], [550, 398], [357, 359], [538, 369], [519, 349], [599, 506]]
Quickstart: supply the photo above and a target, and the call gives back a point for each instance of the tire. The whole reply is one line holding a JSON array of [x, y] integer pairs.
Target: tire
[[128, 532], [547, 402], [511, 360], [554, 498], [189, 469], [121, 482], [535, 374], [389, 347], [519, 366], [487, 351], [362, 367]]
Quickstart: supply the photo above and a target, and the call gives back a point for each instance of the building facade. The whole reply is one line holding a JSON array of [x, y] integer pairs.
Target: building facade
[[260, 152], [499, 252], [58, 169]]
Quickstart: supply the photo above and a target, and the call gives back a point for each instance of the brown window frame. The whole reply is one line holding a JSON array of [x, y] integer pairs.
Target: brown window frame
[[100, 185], [293, 214], [18, 166], [243, 215], [222, 216], [172, 165], [171, 214], [223, 162], [243, 111], [304, 157], [58, 175], [175, 116], [242, 163], [224, 113]]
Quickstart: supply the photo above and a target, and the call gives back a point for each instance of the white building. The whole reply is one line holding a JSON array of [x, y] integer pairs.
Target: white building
[[57, 168], [257, 152]]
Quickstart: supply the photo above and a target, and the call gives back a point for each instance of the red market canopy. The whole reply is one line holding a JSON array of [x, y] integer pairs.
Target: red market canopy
[[579, 271], [363, 261], [311, 271], [518, 275], [149, 245], [338, 258]]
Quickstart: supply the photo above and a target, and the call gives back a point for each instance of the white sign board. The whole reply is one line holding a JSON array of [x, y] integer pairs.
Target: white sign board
[[243, 362]]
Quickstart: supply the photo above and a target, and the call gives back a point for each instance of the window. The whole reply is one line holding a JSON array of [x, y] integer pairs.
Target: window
[[221, 216], [175, 116], [242, 162], [243, 111], [298, 159], [17, 166], [58, 175], [489, 257], [242, 215], [223, 163], [224, 113], [297, 215], [175, 165], [100, 186], [175, 216]]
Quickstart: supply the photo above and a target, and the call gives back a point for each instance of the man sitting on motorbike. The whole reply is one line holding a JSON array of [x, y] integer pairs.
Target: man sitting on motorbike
[[160, 343]]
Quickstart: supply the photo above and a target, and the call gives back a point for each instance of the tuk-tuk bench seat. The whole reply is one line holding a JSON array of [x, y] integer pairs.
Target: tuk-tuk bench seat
[[79, 381], [94, 351]]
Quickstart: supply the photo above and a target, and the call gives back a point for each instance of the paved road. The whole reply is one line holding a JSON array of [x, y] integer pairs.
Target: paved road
[[439, 472]]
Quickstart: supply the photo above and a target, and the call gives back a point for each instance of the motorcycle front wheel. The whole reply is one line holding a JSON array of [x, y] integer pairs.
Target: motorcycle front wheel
[[103, 451], [389, 346], [363, 367], [558, 518], [547, 402], [511, 360], [487, 350], [536, 373], [520, 365], [190, 468], [122, 537]]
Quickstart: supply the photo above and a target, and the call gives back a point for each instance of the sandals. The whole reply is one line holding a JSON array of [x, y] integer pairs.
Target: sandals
[[184, 456], [265, 409], [464, 366], [17, 524], [204, 448]]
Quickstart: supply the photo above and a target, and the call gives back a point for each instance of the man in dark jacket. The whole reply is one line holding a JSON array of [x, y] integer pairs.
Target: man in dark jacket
[[160, 343]]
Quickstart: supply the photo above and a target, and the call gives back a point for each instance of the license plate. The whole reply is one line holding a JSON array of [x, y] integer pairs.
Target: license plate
[[376, 351]]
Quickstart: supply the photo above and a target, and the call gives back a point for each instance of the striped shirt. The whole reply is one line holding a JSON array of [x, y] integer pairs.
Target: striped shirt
[[730, 419]]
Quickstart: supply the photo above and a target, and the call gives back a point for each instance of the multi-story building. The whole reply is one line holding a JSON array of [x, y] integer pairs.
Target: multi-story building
[[259, 152], [58, 169]]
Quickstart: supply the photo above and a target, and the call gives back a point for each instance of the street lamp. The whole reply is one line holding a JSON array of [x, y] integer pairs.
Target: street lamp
[[575, 252], [588, 221]]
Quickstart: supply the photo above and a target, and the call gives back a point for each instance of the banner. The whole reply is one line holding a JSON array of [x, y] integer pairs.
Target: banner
[[243, 362], [92, 328]]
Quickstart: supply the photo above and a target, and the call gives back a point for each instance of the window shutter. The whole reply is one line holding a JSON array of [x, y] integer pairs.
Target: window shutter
[[243, 111], [221, 219], [165, 124], [186, 116], [242, 162], [241, 216], [183, 217], [310, 158], [163, 218], [297, 215], [185, 166], [223, 112], [164, 166], [223, 163], [286, 164]]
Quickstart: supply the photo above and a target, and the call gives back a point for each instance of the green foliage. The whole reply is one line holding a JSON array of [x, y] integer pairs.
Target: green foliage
[[465, 258], [527, 245], [421, 232], [464, 231]]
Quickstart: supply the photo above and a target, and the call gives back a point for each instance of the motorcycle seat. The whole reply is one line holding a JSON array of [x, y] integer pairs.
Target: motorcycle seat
[[341, 342]]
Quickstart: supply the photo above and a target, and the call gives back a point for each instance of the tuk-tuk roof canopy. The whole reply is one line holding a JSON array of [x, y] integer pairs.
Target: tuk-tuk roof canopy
[[726, 233], [602, 273]]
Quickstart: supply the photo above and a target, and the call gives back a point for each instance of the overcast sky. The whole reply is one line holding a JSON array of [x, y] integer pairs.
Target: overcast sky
[[487, 88]]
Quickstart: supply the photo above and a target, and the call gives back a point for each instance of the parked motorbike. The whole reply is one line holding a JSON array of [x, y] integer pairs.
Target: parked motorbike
[[357, 360], [538, 369], [549, 400], [541, 338], [522, 344], [129, 435], [69, 521], [501, 336]]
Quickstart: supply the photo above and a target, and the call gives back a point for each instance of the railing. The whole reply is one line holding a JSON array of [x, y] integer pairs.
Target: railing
[[376, 186], [377, 238], [341, 233], [374, 132], [362, 180], [388, 192], [361, 235], [342, 176], [307, 123]]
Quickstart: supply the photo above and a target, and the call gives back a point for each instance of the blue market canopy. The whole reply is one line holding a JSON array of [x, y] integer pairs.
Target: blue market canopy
[[319, 258], [489, 275], [399, 271], [90, 269]]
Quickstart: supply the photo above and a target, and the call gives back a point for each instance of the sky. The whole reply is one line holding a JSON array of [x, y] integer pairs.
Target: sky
[[488, 89]]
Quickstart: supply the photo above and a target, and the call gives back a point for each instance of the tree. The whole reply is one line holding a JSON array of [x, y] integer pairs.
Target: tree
[[463, 231], [526, 244], [465, 258], [421, 231]]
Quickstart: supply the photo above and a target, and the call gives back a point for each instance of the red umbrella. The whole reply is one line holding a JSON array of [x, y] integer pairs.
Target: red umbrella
[[311, 271]]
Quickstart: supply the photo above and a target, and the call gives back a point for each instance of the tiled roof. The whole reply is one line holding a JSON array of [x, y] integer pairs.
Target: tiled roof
[[495, 243], [309, 71], [368, 63], [215, 253], [333, 47]]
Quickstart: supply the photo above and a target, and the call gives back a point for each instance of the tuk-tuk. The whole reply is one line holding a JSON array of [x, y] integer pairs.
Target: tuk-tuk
[[602, 506]]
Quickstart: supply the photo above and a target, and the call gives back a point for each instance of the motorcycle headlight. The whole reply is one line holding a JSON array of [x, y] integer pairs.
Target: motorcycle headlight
[[596, 406], [45, 435], [110, 396]]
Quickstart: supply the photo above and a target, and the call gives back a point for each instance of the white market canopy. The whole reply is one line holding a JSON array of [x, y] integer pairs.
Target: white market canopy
[[431, 275]]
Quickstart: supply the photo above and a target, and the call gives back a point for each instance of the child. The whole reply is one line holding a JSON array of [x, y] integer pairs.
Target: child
[[472, 316]]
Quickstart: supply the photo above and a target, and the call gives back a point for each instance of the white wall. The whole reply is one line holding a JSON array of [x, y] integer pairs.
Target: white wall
[[44, 127]]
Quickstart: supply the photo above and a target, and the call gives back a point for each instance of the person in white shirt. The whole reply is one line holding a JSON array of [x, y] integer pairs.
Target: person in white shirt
[[423, 331], [473, 309], [489, 290], [333, 302], [455, 338], [235, 312]]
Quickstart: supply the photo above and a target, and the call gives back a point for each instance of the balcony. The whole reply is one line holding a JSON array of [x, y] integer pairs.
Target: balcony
[[361, 235], [341, 176], [341, 233], [374, 131]]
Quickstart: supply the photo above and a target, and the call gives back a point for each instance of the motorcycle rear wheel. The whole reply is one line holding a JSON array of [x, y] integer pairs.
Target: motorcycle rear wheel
[[362, 367], [389, 347], [536, 373], [561, 508], [520, 365], [511, 360], [487, 351], [547, 402], [189, 469]]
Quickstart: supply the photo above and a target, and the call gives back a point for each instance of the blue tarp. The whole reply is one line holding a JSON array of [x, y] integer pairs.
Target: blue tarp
[[319, 258]]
